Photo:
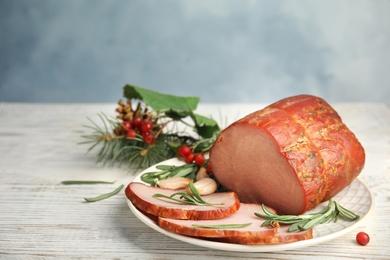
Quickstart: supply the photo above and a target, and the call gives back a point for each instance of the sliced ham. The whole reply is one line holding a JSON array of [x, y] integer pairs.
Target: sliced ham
[[141, 196], [254, 234], [291, 155], [282, 236]]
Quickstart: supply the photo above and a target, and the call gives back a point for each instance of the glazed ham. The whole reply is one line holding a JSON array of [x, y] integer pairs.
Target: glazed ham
[[141, 196], [253, 234], [291, 155]]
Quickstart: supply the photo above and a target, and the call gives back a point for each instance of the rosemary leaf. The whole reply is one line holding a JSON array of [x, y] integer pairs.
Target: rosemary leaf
[[182, 201], [185, 198], [182, 172], [196, 194], [294, 227], [345, 213], [169, 171], [188, 197], [165, 167], [70, 182], [222, 226], [106, 195]]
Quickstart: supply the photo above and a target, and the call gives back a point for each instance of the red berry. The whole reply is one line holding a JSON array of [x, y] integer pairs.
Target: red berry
[[208, 168], [144, 134], [362, 238], [126, 125], [146, 126], [149, 139], [137, 120], [199, 159], [131, 133], [184, 151], [189, 158], [117, 131]]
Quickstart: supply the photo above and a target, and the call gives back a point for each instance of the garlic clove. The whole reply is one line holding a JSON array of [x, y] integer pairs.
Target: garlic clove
[[174, 183], [201, 174], [204, 186]]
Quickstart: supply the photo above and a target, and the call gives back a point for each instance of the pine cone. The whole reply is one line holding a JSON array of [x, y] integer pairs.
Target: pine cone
[[125, 112]]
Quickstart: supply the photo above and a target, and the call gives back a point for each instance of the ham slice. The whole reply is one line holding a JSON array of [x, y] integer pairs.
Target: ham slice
[[292, 155], [141, 196], [254, 234]]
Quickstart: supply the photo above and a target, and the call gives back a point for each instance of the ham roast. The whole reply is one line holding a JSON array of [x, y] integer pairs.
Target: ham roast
[[254, 234], [291, 155], [141, 196]]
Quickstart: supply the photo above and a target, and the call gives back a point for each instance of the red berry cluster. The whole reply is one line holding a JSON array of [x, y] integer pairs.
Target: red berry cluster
[[140, 126], [190, 157]]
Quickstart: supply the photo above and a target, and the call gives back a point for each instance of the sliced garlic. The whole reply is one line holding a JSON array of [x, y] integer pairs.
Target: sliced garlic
[[174, 183], [201, 174], [204, 186]]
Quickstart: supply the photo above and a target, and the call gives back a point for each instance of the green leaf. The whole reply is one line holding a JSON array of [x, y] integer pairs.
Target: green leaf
[[162, 102], [177, 115], [205, 126]]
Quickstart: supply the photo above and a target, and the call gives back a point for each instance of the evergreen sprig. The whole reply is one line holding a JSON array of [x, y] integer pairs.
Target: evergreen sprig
[[166, 112], [134, 152]]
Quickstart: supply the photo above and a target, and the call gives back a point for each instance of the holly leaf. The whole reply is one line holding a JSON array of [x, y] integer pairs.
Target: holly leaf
[[177, 105], [177, 115], [205, 126]]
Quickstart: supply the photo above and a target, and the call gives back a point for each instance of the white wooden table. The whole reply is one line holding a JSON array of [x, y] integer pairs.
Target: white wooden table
[[42, 219]]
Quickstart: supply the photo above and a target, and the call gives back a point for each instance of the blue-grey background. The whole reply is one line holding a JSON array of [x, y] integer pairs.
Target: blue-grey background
[[219, 50]]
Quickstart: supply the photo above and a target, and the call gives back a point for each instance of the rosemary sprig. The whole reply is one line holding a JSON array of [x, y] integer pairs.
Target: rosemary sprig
[[187, 199], [77, 182], [222, 226], [332, 212], [106, 195], [169, 171]]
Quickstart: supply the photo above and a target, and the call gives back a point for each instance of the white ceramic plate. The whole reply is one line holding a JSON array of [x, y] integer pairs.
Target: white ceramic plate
[[356, 197]]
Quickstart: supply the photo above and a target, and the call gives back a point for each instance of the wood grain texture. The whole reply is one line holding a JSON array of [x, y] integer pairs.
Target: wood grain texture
[[42, 219]]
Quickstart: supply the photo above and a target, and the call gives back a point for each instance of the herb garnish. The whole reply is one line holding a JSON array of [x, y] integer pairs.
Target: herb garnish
[[222, 226], [106, 195], [185, 198], [332, 212], [77, 182]]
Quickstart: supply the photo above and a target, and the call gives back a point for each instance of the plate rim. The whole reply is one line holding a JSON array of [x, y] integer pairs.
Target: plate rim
[[224, 246]]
